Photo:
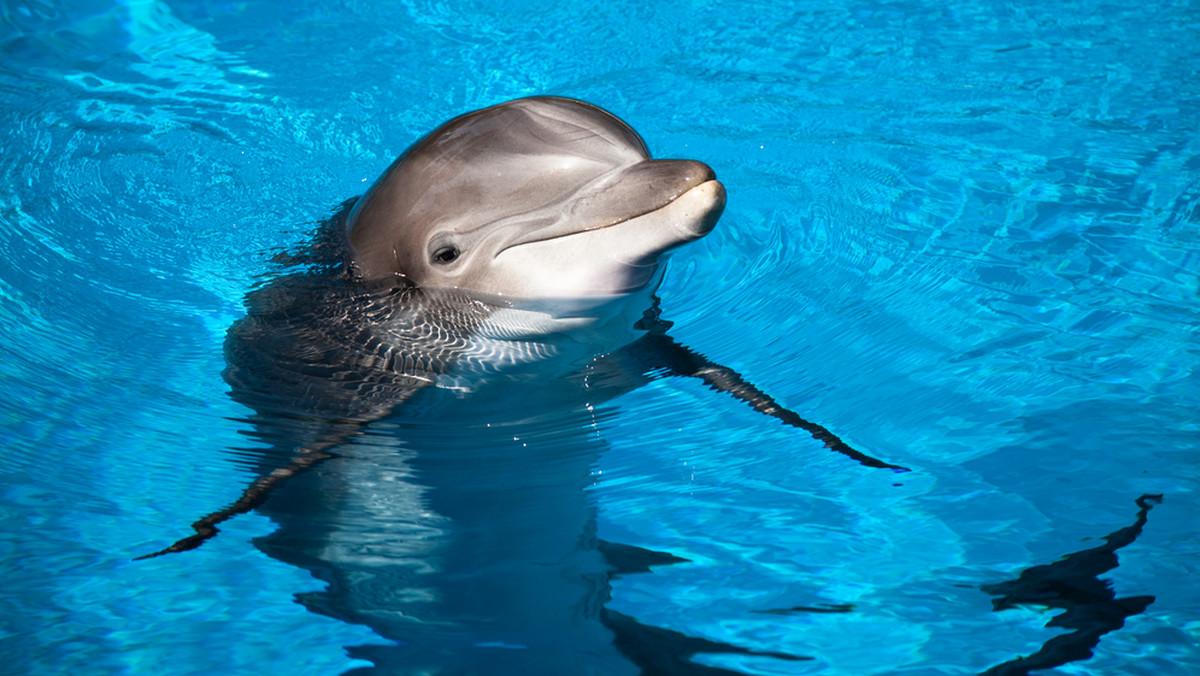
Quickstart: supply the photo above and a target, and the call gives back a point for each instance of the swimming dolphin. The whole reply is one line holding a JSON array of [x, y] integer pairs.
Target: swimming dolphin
[[503, 270], [499, 240]]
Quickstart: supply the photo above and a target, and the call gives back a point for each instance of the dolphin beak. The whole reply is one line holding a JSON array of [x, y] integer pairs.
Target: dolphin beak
[[609, 241], [631, 192]]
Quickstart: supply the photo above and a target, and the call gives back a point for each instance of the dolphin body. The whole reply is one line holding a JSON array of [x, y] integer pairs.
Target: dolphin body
[[475, 305]]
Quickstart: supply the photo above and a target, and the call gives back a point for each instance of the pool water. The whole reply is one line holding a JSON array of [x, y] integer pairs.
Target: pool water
[[963, 236]]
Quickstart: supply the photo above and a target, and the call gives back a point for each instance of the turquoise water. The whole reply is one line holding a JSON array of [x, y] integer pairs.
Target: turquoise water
[[963, 236]]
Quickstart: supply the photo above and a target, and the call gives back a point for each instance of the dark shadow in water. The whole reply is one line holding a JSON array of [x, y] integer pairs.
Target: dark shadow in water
[[1073, 585]]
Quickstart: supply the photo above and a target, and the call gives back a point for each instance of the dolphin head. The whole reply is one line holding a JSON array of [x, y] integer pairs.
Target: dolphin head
[[535, 198]]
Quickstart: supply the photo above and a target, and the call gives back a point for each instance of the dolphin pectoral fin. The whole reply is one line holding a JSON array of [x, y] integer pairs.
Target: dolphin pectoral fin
[[664, 353], [254, 495], [311, 378], [727, 380], [332, 431]]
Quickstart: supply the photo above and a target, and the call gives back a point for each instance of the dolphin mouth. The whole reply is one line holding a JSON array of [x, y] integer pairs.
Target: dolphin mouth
[[710, 198]]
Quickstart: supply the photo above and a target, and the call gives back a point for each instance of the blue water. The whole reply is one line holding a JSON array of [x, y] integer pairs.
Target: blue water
[[965, 236]]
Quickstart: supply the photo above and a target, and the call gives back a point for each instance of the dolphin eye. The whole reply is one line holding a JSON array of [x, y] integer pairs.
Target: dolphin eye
[[446, 254]]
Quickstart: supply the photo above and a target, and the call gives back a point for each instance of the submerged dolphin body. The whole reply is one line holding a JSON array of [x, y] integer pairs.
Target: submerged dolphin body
[[492, 287]]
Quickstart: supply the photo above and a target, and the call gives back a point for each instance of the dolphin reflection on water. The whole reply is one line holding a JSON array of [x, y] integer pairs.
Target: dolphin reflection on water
[[424, 377], [1072, 584]]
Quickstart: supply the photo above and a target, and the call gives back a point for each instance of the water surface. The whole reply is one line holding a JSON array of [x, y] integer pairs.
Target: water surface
[[963, 236]]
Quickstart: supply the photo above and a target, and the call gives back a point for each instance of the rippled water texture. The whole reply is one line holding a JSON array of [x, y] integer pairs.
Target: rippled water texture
[[965, 236]]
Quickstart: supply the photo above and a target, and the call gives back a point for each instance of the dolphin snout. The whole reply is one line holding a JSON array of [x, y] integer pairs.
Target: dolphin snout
[[630, 192], [662, 181]]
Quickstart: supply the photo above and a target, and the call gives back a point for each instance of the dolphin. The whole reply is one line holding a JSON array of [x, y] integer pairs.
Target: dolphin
[[454, 262], [489, 290]]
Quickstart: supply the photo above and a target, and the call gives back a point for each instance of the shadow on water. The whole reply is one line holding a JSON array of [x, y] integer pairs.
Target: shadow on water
[[1072, 584]]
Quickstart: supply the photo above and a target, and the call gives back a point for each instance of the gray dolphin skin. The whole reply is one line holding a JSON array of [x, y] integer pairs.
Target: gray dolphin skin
[[424, 376]]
